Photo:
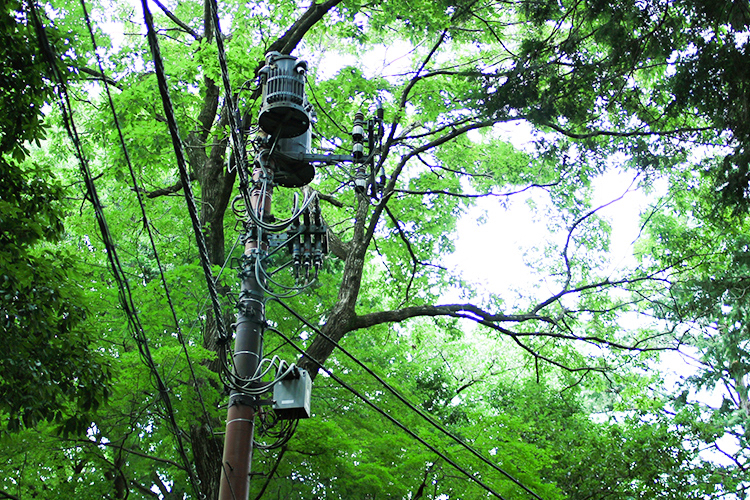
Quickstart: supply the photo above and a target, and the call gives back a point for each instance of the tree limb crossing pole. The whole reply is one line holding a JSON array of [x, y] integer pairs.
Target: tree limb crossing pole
[[248, 346]]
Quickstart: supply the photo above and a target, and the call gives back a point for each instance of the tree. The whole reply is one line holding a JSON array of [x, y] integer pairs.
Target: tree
[[48, 368], [598, 81], [704, 247]]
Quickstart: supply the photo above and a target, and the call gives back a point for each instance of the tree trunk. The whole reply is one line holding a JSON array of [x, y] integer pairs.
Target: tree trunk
[[216, 187], [343, 314]]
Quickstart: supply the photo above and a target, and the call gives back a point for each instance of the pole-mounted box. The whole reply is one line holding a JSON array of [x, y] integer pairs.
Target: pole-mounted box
[[291, 396]]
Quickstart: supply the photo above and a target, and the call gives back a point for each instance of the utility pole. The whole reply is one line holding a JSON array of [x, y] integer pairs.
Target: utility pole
[[283, 159], [283, 118], [248, 347]]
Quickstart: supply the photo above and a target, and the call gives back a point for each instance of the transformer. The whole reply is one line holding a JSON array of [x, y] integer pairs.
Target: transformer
[[282, 112], [292, 170]]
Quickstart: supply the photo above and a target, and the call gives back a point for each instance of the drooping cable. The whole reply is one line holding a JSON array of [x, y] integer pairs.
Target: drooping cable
[[146, 223], [124, 292], [240, 154], [394, 421], [405, 401], [260, 270], [153, 43]]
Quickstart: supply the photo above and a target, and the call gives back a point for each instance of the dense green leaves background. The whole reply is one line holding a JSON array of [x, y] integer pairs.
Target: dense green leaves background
[[564, 383]]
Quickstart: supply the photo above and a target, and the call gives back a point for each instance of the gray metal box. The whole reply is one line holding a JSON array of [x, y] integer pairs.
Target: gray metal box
[[291, 397]]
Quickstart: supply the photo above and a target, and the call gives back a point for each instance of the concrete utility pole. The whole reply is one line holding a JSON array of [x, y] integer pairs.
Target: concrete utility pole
[[284, 118], [284, 160], [248, 347]]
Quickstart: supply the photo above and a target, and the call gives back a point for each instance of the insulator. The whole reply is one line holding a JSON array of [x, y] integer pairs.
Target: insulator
[[360, 181], [358, 150], [282, 112], [358, 130], [381, 180]]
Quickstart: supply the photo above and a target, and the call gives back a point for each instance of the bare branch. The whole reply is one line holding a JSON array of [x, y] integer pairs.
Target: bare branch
[[146, 491], [632, 133], [330, 199], [447, 193], [97, 76], [271, 474], [289, 40], [414, 260], [337, 247], [391, 186], [494, 321], [566, 258], [132, 452], [468, 311], [5, 494]]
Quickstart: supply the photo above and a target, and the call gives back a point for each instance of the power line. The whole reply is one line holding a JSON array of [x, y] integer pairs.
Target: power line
[[401, 426], [237, 143], [124, 292], [126, 153], [182, 167], [401, 398], [239, 152]]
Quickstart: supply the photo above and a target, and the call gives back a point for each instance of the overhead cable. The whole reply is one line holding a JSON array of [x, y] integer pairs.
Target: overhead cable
[[401, 398], [398, 424], [146, 223], [182, 167], [240, 154], [124, 292]]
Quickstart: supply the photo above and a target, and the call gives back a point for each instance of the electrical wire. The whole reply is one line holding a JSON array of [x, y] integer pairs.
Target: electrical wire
[[268, 425], [237, 142], [146, 223], [398, 424], [262, 276], [124, 292], [411, 406], [182, 167]]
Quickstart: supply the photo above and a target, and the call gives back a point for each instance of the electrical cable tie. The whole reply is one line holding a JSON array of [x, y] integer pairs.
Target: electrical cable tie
[[246, 352], [239, 420]]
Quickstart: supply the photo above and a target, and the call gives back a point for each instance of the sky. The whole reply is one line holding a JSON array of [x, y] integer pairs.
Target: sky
[[492, 253]]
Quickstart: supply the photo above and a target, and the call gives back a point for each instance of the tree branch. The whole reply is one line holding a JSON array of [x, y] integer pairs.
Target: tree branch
[[289, 40], [566, 258], [167, 190], [469, 311], [330, 199], [177, 20], [415, 262], [337, 247], [133, 452], [270, 474], [5, 494], [633, 133], [97, 76], [147, 491], [447, 193]]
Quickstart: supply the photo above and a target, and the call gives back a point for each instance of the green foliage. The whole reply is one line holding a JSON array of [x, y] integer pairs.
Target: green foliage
[[48, 368], [557, 386], [22, 86]]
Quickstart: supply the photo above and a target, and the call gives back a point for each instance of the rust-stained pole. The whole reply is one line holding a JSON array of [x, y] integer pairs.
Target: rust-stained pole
[[248, 346]]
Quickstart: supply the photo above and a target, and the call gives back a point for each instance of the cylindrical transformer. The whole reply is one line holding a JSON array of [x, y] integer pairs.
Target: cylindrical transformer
[[292, 170], [282, 113]]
